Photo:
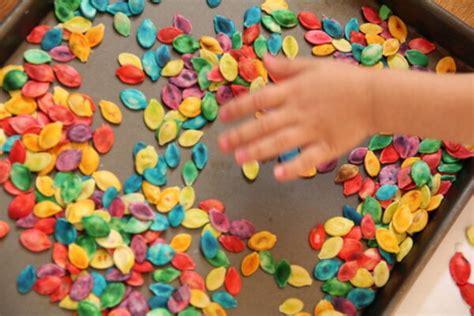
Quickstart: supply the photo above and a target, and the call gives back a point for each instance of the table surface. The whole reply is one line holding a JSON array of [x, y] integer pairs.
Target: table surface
[[433, 293]]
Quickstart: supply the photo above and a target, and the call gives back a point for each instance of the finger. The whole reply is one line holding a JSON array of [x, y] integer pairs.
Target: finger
[[308, 158], [272, 145], [254, 129], [266, 98], [280, 68]]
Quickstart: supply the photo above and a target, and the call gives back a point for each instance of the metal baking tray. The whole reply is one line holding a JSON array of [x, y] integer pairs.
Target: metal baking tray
[[289, 210]]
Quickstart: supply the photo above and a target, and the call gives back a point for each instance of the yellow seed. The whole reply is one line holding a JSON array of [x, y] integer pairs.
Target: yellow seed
[[402, 219], [446, 65], [391, 47], [372, 164], [299, 277], [130, 59], [44, 185], [470, 234], [322, 306], [169, 197], [323, 50], [187, 196], [79, 105], [110, 111], [271, 5], [190, 107], [19, 105], [215, 278], [60, 96], [405, 248], [76, 211], [154, 114], [291, 306], [124, 258], [263, 240], [420, 220], [435, 202], [90, 160], [397, 28], [181, 242], [80, 46], [374, 39], [251, 170], [211, 44], [195, 218], [101, 260], [78, 24], [338, 226], [342, 45], [363, 278], [409, 162], [190, 138], [381, 274], [412, 199], [209, 56], [290, 47], [389, 211], [95, 35], [173, 68], [331, 248], [228, 67], [370, 28], [50, 135], [106, 179], [78, 256], [145, 159], [46, 209], [214, 309], [151, 192], [199, 299], [387, 240]]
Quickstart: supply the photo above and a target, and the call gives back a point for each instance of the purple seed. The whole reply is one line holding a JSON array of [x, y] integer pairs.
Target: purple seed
[[357, 155], [114, 275], [79, 133], [141, 211], [62, 54], [137, 304], [179, 300], [242, 228], [225, 41], [187, 61], [171, 96], [182, 23], [139, 248], [328, 166], [69, 160], [187, 78], [224, 94], [219, 220], [406, 146], [389, 174], [50, 269], [27, 222], [193, 91], [82, 287], [97, 198]]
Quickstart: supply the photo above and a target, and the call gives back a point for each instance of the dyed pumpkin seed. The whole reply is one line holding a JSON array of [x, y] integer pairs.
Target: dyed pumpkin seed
[[251, 170], [387, 240], [285, 18], [420, 173], [263, 240], [146, 33], [111, 112], [338, 226], [323, 50], [445, 65], [291, 306], [331, 248], [372, 54], [335, 287], [326, 269], [299, 277], [267, 263], [185, 44], [133, 99], [290, 47], [37, 56], [215, 278], [282, 273], [416, 58], [405, 248], [361, 298], [122, 24]]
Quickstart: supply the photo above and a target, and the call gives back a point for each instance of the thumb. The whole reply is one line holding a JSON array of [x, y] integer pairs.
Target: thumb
[[280, 68]]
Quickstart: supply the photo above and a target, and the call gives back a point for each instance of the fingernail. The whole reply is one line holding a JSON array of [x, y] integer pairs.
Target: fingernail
[[224, 144], [241, 156], [279, 172]]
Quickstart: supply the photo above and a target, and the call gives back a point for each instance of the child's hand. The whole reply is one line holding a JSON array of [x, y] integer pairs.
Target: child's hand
[[322, 107]]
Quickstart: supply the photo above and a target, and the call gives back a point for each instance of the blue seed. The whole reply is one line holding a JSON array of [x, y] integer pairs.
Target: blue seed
[[156, 1], [52, 39], [133, 184], [26, 279], [161, 289], [87, 10], [150, 66], [99, 283], [172, 155], [109, 195], [163, 55], [326, 269], [209, 245], [137, 147], [386, 192], [387, 256], [176, 216], [351, 213], [252, 16], [160, 223], [117, 7], [274, 43], [133, 99], [289, 155], [65, 232], [197, 122], [146, 34], [100, 5], [224, 25], [136, 6], [357, 51], [361, 298], [158, 304], [332, 27], [200, 155], [161, 165], [160, 254], [352, 25], [213, 3], [155, 176], [224, 299]]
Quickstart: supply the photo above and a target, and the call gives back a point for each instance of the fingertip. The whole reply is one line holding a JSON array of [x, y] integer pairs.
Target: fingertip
[[224, 144], [279, 172], [241, 156]]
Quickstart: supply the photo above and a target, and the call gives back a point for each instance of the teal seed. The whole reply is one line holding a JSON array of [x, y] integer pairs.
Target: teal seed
[[117, 7], [351, 26], [260, 46], [133, 99], [87, 10], [136, 226], [429, 146], [420, 173], [176, 216], [185, 44], [150, 66], [386, 192], [237, 40], [26, 279], [197, 122], [384, 12], [146, 34], [209, 245], [379, 141], [209, 107], [95, 226], [361, 298], [122, 24], [166, 275], [52, 39], [86, 308], [416, 58], [326, 269], [163, 55], [160, 254], [275, 43], [189, 173], [100, 5], [220, 260], [285, 18], [160, 223], [21, 177], [37, 56], [335, 287], [282, 273], [332, 27], [213, 3], [371, 54], [136, 6], [357, 51], [372, 206], [450, 167], [224, 299], [172, 155], [267, 262], [224, 25], [14, 80], [200, 155], [113, 295], [252, 16], [65, 232], [270, 24]]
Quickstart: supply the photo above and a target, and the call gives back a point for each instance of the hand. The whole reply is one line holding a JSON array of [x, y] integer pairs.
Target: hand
[[322, 107]]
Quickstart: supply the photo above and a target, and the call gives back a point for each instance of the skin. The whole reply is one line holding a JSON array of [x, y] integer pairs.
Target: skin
[[327, 108]]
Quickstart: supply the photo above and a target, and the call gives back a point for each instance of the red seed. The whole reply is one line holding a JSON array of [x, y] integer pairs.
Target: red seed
[[46, 225], [136, 279], [143, 267], [209, 204], [347, 271], [317, 37], [182, 261], [367, 189], [232, 243], [250, 34], [103, 138], [21, 206], [167, 34], [236, 54], [467, 293], [352, 186], [193, 279], [36, 35], [62, 291], [151, 236], [422, 45], [59, 254], [238, 90], [4, 229], [371, 15], [354, 233], [34, 89], [248, 69], [317, 236], [349, 246], [459, 268], [35, 240], [10, 188], [233, 281], [370, 259], [248, 51], [130, 74], [45, 102], [309, 20], [367, 226], [389, 155], [215, 75], [433, 160], [58, 113], [404, 179], [5, 166], [47, 285], [444, 187], [17, 152], [41, 73], [358, 37], [67, 75]]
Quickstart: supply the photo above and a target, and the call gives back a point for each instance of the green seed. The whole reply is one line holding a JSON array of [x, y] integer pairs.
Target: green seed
[[447, 158], [420, 173], [378, 142], [450, 167], [86, 308], [267, 263], [220, 260], [335, 287], [282, 273], [159, 311], [37, 56], [241, 82], [372, 54], [112, 295], [64, 9], [88, 243], [372, 206], [203, 82], [185, 44], [95, 226], [209, 107], [429, 146], [416, 58], [260, 46], [71, 188], [448, 177], [21, 176], [237, 40], [285, 18], [190, 311], [15, 79], [270, 24], [189, 173], [136, 226], [166, 275], [122, 24], [199, 63], [385, 12]]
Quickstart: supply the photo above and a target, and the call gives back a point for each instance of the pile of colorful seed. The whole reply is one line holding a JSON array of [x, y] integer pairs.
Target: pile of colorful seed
[[52, 168]]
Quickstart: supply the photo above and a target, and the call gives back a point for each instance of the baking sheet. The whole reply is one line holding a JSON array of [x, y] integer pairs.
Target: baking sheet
[[288, 210]]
